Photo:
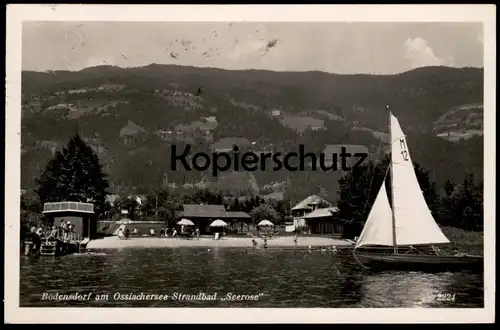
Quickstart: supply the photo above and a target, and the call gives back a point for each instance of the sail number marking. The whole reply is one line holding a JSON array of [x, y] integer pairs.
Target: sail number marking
[[404, 151]]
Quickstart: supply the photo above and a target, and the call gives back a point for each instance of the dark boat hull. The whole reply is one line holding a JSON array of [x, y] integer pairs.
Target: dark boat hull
[[382, 261]]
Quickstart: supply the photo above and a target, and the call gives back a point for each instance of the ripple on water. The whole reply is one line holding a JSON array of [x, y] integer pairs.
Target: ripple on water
[[285, 278]]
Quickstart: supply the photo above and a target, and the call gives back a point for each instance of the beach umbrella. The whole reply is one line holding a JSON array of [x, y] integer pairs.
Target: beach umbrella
[[218, 223], [185, 222], [125, 222], [122, 227], [265, 223]]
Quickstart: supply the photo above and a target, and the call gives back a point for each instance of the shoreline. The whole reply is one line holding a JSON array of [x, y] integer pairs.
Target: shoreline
[[114, 242]]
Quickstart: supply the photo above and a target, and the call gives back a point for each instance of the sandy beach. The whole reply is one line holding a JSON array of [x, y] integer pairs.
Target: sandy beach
[[150, 242]]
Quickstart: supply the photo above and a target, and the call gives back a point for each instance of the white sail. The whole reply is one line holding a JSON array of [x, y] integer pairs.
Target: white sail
[[414, 222], [378, 226]]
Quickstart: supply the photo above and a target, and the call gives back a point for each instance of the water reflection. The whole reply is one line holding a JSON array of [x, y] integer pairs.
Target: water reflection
[[285, 278]]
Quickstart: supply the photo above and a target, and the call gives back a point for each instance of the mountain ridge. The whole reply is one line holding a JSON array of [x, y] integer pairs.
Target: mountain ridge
[[261, 105]]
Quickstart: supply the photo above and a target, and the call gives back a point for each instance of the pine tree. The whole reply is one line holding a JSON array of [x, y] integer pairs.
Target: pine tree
[[236, 205], [74, 174], [468, 205]]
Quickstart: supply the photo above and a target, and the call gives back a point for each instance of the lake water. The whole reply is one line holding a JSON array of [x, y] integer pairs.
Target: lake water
[[276, 278]]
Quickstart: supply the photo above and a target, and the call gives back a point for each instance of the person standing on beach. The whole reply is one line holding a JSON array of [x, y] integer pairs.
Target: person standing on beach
[[295, 239], [197, 233], [162, 233], [37, 238]]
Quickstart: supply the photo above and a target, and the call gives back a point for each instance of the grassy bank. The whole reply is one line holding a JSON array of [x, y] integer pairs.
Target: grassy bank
[[465, 241]]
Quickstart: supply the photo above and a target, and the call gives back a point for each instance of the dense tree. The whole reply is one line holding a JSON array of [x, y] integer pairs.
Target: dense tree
[[74, 174], [463, 206], [264, 212], [130, 205]]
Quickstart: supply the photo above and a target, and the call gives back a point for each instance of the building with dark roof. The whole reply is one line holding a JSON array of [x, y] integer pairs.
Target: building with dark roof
[[317, 216], [203, 215], [131, 132]]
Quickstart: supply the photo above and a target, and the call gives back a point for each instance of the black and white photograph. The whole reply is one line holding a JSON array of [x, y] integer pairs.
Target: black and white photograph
[[258, 163]]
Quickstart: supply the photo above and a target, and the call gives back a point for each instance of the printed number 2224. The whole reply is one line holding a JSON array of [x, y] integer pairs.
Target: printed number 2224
[[445, 297]]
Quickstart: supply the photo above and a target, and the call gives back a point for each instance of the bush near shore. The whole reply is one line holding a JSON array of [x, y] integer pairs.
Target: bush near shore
[[465, 241]]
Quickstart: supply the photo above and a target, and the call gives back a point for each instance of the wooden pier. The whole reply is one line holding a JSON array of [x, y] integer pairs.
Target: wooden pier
[[53, 247]]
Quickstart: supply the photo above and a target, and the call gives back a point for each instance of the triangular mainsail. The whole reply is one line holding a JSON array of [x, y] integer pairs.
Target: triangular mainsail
[[378, 226], [413, 219]]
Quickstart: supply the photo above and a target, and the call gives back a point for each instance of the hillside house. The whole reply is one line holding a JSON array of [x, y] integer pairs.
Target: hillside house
[[301, 123], [210, 119], [164, 134], [132, 132], [178, 99], [196, 128], [275, 113], [227, 144]]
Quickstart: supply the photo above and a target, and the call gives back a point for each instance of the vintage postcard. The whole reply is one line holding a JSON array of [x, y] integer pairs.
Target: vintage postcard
[[285, 164]]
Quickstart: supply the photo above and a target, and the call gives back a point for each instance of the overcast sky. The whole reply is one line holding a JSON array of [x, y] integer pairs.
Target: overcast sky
[[378, 48]]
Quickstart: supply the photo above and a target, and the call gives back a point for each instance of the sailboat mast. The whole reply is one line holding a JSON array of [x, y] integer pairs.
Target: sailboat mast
[[392, 187]]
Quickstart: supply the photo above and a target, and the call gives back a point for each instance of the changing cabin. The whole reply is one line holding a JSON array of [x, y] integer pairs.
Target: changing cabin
[[81, 216]]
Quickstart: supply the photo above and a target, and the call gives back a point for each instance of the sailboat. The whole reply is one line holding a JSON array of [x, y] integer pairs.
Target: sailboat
[[405, 236]]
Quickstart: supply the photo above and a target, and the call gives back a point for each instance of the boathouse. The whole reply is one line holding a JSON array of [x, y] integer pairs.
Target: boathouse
[[203, 215], [81, 215]]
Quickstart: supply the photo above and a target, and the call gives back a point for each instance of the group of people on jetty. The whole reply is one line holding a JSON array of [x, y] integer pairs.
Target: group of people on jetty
[[64, 232]]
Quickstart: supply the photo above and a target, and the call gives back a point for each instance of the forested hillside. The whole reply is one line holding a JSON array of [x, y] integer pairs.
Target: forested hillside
[[132, 117]]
